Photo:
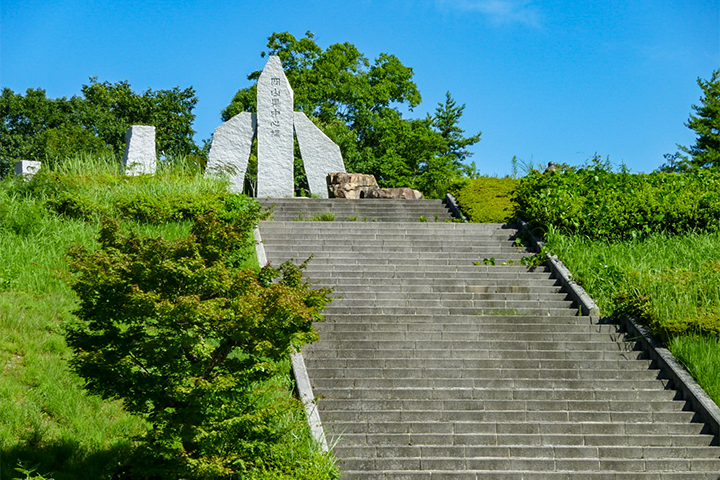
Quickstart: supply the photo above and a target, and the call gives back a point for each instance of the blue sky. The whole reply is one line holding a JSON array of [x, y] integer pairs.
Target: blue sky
[[555, 80]]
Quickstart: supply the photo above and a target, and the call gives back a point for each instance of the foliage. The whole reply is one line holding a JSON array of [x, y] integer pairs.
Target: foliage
[[182, 337], [355, 102], [34, 127], [596, 202], [486, 199], [706, 124], [46, 418]]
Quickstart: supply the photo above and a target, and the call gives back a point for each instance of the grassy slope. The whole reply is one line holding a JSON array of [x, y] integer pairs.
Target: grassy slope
[[46, 418], [671, 282]]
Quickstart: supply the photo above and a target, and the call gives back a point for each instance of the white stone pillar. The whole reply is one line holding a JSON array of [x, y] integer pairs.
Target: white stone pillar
[[274, 132], [27, 168], [230, 149], [140, 157], [320, 155]]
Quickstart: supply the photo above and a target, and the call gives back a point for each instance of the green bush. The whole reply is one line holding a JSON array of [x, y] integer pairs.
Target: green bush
[[486, 199], [596, 202], [187, 341]]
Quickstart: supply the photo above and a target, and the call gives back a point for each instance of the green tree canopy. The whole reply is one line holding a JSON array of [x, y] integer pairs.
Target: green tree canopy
[[35, 127], [357, 103], [706, 124]]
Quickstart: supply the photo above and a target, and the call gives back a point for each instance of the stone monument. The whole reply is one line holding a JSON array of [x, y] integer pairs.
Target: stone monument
[[230, 149], [274, 124], [320, 154], [27, 168], [140, 157]]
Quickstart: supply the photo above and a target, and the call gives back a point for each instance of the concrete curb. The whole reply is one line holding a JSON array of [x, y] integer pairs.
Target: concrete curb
[[559, 271], [302, 381], [451, 203], [681, 379]]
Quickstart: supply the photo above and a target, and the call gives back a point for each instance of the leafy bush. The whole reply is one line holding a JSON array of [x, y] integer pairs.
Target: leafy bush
[[596, 202], [486, 199], [186, 340]]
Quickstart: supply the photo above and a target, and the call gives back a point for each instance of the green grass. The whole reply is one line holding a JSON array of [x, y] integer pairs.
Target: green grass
[[670, 282], [48, 423]]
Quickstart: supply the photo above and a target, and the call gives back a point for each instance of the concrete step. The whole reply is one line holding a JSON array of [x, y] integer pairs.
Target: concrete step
[[478, 374], [650, 383], [527, 428], [538, 416], [509, 439], [571, 474], [532, 451]]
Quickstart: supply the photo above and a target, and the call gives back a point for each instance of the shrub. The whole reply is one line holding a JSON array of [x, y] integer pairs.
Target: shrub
[[486, 199], [186, 340], [596, 202]]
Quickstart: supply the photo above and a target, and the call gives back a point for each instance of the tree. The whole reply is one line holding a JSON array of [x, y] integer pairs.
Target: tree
[[185, 338], [35, 127], [706, 124], [356, 103]]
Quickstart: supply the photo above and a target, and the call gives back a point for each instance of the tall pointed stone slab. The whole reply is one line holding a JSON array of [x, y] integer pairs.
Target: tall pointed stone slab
[[275, 132], [320, 155], [230, 149], [140, 157]]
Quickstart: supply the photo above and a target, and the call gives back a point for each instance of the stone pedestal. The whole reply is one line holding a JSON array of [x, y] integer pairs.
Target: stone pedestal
[[27, 168], [275, 132], [140, 157], [230, 149], [320, 155]]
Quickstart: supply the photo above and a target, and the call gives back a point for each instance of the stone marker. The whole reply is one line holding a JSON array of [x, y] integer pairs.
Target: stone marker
[[27, 168], [274, 132], [320, 155], [140, 157], [230, 149], [350, 185]]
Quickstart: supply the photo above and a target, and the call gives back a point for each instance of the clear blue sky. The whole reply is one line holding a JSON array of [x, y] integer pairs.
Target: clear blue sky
[[549, 80]]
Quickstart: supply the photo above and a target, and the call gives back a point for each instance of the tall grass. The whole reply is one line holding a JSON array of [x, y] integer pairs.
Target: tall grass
[[670, 282]]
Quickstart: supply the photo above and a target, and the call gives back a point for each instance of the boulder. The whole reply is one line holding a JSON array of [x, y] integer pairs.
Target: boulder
[[403, 193], [350, 185]]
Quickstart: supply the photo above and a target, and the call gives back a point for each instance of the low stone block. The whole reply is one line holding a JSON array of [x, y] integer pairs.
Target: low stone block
[[140, 157], [350, 185], [230, 150], [27, 168]]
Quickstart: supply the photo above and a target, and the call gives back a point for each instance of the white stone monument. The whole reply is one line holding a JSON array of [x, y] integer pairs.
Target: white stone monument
[[320, 155], [275, 132], [27, 168], [140, 157], [230, 149], [274, 125]]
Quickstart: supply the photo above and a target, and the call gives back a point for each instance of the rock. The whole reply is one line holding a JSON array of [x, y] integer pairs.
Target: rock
[[274, 132], [230, 149], [320, 155], [140, 157], [403, 193], [350, 185]]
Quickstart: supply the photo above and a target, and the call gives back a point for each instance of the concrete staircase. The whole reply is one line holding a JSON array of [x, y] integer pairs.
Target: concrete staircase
[[433, 364], [365, 210]]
